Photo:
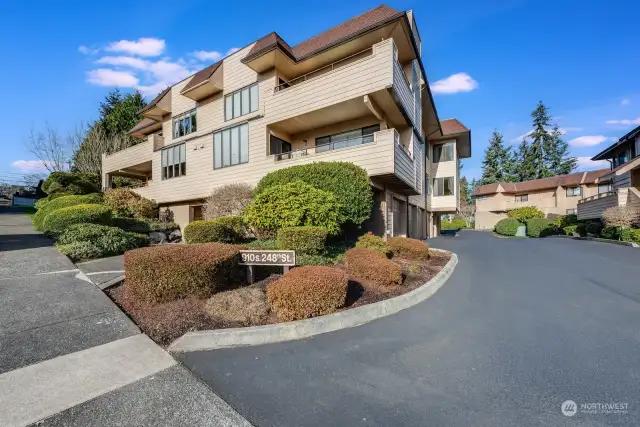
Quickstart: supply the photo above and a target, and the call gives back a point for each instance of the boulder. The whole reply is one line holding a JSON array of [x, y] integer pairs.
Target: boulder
[[157, 238], [175, 235]]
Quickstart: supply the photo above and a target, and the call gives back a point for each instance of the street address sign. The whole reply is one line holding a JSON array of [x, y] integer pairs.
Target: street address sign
[[264, 257]]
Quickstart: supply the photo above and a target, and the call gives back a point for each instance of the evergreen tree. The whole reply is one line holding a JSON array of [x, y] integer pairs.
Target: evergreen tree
[[557, 157], [464, 190], [497, 165], [524, 162], [541, 142]]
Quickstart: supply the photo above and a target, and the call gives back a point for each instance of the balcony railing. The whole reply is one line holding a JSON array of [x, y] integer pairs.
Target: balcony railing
[[597, 196], [290, 155], [323, 148]]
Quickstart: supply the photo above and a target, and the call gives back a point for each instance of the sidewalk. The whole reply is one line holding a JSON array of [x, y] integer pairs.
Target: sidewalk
[[69, 356]]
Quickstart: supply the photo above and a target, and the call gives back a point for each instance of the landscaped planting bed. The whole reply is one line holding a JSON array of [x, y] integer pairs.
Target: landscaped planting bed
[[302, 293]]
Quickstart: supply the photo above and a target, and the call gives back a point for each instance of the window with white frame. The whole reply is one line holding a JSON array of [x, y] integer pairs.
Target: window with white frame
[[443, 186], [443, 152], [522, 198], [241, 102], [184, 124], [604, 188], [174, 161], [571, 211], [231, 146], [574, 191]]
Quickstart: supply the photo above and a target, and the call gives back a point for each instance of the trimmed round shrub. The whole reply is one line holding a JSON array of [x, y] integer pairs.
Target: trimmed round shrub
[[80, 250], [71, 183], [593, 227], [105, 239], [408, 248], [507, 226], [168, 272], [630, 235], [348, 183], [58, 220], [373, 267], [224, 229], [371, 241], [291, 205], [610, 233], [308, 292], [62, 202], [538, 227], [456, 224], [246, 306], [125, 202], [305, 239], [525, 213]]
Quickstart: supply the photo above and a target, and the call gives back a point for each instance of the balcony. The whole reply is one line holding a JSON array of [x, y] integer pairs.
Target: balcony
[[133, 162], [594, 206], [382, 155]]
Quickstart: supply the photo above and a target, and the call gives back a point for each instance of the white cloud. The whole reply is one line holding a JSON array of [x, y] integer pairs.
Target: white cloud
[[169, 72], [588, 140], [563, 131], [153, 89], [456, 83], [232, 50], [145, 46], [29, 166], [107, 77], [204, 55], [624, 122], [588, 164], [625, 101], [521, 137], [85, 50], [125, 61]]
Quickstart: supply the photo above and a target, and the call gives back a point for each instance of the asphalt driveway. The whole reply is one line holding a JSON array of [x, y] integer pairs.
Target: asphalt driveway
[[522, 326]]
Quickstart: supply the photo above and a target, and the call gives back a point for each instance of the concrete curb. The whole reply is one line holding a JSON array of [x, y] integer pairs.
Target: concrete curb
[[267, 334], [598, 239], [111, 282]]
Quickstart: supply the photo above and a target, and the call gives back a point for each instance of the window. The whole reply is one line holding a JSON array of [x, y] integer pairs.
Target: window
[[184, 124], [241, 102], [443, 152], [522, 198], [346, 139], [620, 159], [571, 211], [231, 146], [443, 186], [174, 161], [482, 198], [604, 188], [574, 191]]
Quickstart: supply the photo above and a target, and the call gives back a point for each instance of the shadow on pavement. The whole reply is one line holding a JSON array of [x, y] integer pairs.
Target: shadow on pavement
[[16, 242]]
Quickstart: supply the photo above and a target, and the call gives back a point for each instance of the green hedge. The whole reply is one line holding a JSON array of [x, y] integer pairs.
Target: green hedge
[[62, 202], [226, 229], [630, 235], [71, 183], [291, 205], [104, 241], [538, 227], [456, 224], [610, 233], [58, 220], [593, 227], [348, 183], [507, 227], [525, 213], [306, 239]]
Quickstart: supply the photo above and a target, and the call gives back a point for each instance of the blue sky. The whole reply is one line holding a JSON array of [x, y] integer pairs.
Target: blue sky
[[492, 60]]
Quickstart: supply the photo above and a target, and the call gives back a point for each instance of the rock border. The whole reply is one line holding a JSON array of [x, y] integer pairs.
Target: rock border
[[598, 239], [288, 331]]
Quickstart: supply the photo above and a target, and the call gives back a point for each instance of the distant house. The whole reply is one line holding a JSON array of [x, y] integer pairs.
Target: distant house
[[5, 201], [557, 195]]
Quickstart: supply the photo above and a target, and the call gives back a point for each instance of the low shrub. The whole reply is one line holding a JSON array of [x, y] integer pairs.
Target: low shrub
[[131, 224], [105, 240], [224, 229], [581, 229], [570, 230], [306, 239], [307, 292], [538, 227], [71, 183], [370, 265], [227, 200], [630, 235], [456, 224], [125, 202], [80, 250], [168, 272], [371, 241], [58, 220], [247, 306], [610, 233], [507, 226], [593, 227], [62, 202], [291, 205], [525, 213], [408, 248]]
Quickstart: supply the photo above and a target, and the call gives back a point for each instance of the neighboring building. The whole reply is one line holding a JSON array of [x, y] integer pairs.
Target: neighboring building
[[357, 92], [5, 201], [557, 195], [624, 176]]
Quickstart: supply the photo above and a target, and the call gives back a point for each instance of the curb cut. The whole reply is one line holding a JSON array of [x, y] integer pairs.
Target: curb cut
[[267, 334], [598, 239]]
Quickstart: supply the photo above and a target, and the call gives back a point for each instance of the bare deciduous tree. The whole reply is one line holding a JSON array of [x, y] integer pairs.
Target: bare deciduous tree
[[620, 216], [467, 212], [32, 179], [49, 148], [88, 145], [227, 200]]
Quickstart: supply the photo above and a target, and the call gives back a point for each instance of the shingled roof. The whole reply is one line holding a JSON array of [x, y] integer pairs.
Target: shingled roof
[[201, 76], [542, 184], [155, 100], [452, 127]]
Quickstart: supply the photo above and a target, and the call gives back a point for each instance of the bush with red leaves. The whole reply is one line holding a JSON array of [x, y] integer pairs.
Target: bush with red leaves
[[370, 265]]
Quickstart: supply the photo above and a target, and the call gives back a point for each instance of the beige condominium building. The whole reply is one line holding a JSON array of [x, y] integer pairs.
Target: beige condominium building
[[624, 176], [557, 195], [357, 92]]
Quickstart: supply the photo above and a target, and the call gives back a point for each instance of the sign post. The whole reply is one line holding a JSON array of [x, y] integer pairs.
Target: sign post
[[250, 258]]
